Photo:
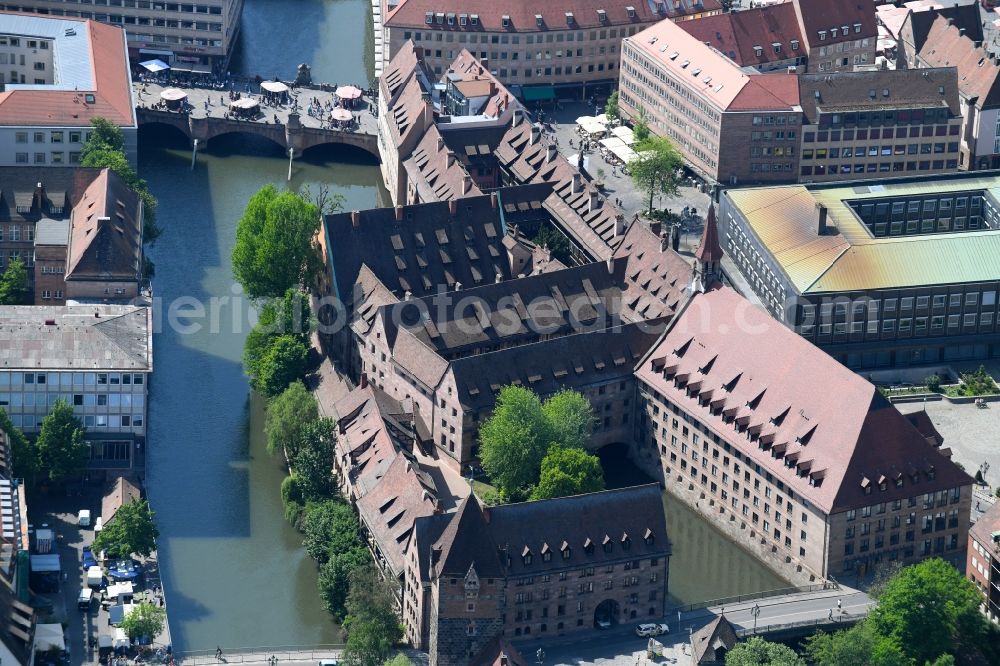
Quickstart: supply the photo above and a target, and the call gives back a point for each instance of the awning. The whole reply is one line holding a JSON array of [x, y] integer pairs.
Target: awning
[[244, 103], [538, 93], [45, 563], [173, 94], [612, 142], [340, 114], [48, 636], [624, 133], [348, 92], [274, 86], [156, 65]]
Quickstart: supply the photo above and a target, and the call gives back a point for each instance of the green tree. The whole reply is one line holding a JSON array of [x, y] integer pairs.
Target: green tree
[[62, 453], [928, 609], [568, 471], [654, 169], [555, 241], [14, 284], [288, 316], [288, 416], [977, 383], [933, 382], [570, 417], [329, 527], [23, 451], [850, 647], [104, 135], [640, 126], [132, 531], [611, 107], [292, 500], [275, 247], [144, 619], [372, 626], [284, 362], [514, 440], [757, 651], [399, 660], [314, 459], [335, 579]]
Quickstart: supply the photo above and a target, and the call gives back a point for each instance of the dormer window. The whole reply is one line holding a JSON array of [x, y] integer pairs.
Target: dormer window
[[539, 21], [758, 51], [463, 19], [857, 27], [649, 537], [626, 542], [451, 19], [795, 45], [607, 544], [777, 47], [505, 21], [602, 16], [439, 18], [547, 556], [845, 30], [588, 546], [429, 18], [822, 35], [566, 553], [570, 20], [526, 559], [630, 10], [474, 19]]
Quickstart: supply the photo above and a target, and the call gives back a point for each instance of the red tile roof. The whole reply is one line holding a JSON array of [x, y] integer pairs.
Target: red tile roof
[[982, 530], [709, 248], [522, 13], [67, 108], [817, 15], [825, 432], [737, 33], [978, 75], [768, 92]]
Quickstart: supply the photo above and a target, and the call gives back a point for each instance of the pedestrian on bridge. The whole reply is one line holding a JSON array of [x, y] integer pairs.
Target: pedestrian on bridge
[[218, 653], [840, 607], [831, 614]]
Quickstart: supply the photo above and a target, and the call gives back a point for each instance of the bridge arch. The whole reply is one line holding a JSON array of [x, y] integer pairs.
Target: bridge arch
[[225, 141], [338, 151], [166, 133]]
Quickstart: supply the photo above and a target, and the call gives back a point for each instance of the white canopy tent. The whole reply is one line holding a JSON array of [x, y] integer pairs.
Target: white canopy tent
[[624, 153], [585, 119], [121, 639], [593, 128], [603, 119], [48, 636], [611, 143], [624, 133]]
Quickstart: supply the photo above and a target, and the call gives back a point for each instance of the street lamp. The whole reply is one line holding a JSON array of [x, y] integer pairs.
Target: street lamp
[[755, 611]]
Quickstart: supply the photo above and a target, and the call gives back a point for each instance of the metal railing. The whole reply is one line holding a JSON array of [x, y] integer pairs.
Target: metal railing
[[842, 619], [781, 592], [259, 655]]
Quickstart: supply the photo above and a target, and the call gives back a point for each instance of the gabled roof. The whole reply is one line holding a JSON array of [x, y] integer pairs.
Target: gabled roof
[[435, 171], [964, 17], [798, 413], [717, 634], [123, 491], [92, 61], [982, 530], [466, 543], [655, 275], [978, 74], [823, 15], [106, 236], [744, 34]]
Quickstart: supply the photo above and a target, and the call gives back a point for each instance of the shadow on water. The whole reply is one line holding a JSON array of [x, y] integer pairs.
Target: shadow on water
[[705, 563], [327, 35]]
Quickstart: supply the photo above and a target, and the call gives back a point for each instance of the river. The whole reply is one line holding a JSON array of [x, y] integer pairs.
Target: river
[[234, 571]]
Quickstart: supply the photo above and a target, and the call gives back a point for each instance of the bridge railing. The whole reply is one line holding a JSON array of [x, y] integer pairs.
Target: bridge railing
[[259, 655], [780, 592], [843, 619]]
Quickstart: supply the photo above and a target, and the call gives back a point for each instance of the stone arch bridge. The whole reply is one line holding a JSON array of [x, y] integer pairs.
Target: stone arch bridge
[[289, 134]]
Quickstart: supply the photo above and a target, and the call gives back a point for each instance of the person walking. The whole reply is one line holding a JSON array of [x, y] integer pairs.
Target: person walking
[[218, 653], [840, 607], [830, 616]]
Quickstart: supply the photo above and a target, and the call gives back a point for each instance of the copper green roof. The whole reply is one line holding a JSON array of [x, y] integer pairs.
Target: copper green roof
[[848, 257]]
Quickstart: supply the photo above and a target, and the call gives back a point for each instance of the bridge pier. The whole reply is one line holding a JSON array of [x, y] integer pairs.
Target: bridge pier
[[194, 152]]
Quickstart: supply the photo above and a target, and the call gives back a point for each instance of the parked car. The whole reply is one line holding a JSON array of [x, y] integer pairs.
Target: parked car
[[88, 558], [646, 630], [86, 596], [603, 623], [123, 570]]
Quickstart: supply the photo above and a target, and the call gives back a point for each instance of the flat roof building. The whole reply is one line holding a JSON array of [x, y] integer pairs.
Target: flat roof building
[[197, 36], [898, 273], [69, 71], [788, 451], [97, 357]]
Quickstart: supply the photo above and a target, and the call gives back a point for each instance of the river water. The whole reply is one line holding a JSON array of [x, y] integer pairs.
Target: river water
[[234, 571]]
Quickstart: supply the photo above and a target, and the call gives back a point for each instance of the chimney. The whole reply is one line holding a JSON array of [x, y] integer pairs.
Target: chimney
[[499, 277], [451, 159], [619, 225], [516, 118], [364, 380], [536, 133], [675, 237], [466, 184], [550, 152], [355, 218], [407, 295], [493, 200], [428, 110], [611, 264], [821, 209], [594, 202], [440, 143], [577, 183], [961, 31], [951, 22], [458, 286], [399, 213], [664, 241], [453, 207], [485, 62], [656, 227]]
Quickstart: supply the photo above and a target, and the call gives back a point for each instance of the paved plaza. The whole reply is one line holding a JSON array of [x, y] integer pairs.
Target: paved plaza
[[215, 103]]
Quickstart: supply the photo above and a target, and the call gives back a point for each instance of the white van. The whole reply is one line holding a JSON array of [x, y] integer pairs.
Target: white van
[[99, 524], [95, 577], [83, 518], [83, 601]]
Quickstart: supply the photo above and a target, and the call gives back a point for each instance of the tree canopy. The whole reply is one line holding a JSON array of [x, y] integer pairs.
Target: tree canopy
[[276, 349], [62, 453], [611, 107], [515, 439], [857, 645], [132, 531], [568, 471], [929, 609], [14, 284], [23, 451], [329, 527], [759, 652], [372, 626], [288, 415], [275, 247], [144, 619], [284, 362], [654, 169], [313, 461]]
